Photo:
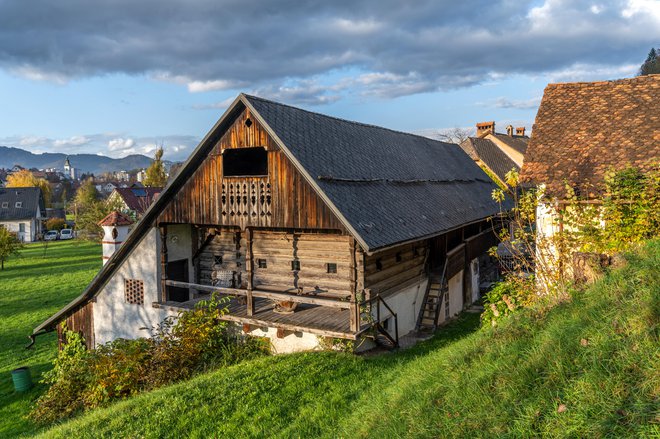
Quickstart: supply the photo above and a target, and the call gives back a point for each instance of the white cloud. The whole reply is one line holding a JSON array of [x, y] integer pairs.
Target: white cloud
[[120, 144], [649, 8], [71, 141]]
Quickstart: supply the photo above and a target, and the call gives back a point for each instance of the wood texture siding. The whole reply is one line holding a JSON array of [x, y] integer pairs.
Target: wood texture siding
[[393, 269], [283, 199], [82, 322]]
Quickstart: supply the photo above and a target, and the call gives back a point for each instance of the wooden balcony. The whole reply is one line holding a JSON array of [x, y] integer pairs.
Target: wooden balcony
[[317, 315]]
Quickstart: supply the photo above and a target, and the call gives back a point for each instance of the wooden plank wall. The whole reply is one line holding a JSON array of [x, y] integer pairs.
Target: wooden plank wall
[[205, 197], [82, 321], [394, 275], [228, 244]]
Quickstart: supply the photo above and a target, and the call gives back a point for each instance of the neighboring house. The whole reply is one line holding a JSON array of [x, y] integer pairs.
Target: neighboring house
[[134, 200], [496, 152], [584, 129], [21, 210], [358, 226]]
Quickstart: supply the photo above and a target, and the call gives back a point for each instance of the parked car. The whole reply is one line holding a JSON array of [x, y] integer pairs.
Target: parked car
[[66, 234], [51, 235]]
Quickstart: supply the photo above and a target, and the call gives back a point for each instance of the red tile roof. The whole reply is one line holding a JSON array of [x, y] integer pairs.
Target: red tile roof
[[138, 199], [115, 218], [583, 129]]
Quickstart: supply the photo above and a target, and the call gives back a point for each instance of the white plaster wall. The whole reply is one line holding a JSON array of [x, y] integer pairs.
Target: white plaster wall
[[113, 317], [30, 229], [291, 342], [179, 245], [406, 303], [456, 294], [474, 273]]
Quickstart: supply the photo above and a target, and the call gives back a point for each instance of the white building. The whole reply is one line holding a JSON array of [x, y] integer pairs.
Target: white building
[[21, 211]]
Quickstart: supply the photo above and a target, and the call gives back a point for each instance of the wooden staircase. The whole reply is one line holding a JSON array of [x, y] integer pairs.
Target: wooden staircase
[[433, 300]]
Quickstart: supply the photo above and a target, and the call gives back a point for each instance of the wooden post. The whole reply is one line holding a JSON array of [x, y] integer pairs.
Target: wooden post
[[249, 266], [355, 308], [163, 263]]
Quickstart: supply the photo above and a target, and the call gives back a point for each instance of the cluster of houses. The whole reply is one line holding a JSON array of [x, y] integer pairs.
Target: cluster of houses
[[318, 227]]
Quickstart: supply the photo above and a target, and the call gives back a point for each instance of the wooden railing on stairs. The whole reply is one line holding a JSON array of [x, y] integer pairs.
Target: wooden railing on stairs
[[378, 323]]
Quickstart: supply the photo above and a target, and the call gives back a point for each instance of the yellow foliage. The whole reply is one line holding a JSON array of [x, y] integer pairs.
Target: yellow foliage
[[25, 178]]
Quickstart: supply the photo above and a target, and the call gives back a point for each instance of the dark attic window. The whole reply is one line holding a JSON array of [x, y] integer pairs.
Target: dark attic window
[[248, 122], [217, 259], [245, 162]]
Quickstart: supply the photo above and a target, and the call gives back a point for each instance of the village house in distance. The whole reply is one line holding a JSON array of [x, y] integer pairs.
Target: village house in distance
[[316, 226], [497, 153], [21, 212]]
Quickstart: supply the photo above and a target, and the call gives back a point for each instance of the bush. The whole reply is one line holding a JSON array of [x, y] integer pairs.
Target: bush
[[516, 291], [55, 224], [195, 341]]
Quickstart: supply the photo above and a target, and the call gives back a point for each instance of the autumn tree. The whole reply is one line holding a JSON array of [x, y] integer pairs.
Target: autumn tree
[[156, 176], [25, 178], [454, 135], [9, 245], [652, 63]]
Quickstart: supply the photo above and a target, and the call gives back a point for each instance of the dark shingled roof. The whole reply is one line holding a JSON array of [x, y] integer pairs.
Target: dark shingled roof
[[490, 154], [390, 186], [31, 200], [583, 129]]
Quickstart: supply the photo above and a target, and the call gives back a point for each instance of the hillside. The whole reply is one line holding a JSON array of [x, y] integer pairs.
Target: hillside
[[96, 164], [586, 368]]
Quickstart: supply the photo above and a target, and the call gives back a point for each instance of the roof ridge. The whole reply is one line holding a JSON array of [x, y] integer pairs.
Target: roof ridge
[[607, 81], [353, 122]]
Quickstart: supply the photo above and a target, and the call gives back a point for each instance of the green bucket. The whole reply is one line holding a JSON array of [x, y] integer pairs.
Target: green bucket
[[22, 379]]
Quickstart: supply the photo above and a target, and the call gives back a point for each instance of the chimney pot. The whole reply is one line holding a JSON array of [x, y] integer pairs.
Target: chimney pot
[[520, 131], [509, 130], [484, 128]]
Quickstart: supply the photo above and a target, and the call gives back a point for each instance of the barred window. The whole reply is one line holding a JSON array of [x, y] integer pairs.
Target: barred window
[[134, 291]]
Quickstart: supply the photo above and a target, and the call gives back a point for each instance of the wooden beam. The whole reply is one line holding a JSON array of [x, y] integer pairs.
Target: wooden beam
[[288, 327], [163, 263], [264, 294], [354, 322], [249, 264]]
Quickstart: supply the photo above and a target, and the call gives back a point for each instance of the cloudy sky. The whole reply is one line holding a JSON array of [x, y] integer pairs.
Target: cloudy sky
[[120, 76]]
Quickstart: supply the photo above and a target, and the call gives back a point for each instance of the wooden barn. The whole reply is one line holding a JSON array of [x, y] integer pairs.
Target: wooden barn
[[314, 226]]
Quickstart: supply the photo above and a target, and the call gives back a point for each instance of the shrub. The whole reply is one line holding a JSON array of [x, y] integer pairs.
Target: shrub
[[514, 292], [55, 224], [195, 341]]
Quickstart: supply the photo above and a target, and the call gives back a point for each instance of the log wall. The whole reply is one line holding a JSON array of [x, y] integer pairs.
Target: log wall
[[384, 274], [82, 322]]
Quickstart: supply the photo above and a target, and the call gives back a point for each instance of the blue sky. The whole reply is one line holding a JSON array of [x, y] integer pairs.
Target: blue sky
[[121, 77]]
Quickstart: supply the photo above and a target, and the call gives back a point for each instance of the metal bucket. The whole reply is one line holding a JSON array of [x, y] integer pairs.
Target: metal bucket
[[22, 379]]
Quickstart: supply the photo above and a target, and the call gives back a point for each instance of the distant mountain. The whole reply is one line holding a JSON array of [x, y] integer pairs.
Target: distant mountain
[[87, 163]]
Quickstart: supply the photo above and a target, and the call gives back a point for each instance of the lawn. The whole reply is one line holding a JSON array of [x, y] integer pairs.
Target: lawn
[[589, 367], [34, 286]]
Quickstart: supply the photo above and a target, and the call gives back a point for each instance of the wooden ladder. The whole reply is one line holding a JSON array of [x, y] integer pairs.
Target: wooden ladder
[[433, 300]]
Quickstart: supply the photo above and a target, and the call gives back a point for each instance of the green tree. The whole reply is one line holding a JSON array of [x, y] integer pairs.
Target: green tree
[[9, 245], [156, 176], [652, 63]]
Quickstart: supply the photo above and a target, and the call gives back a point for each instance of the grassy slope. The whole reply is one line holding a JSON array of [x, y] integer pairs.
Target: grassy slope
[[464, 383], [33, 287]]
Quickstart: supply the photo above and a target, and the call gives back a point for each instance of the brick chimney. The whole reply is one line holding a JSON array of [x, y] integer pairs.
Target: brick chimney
[[520, 131], [115, 227], [484, 128], [509, 131]]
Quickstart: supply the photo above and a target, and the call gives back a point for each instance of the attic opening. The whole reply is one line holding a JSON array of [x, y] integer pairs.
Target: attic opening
[[245, 162]]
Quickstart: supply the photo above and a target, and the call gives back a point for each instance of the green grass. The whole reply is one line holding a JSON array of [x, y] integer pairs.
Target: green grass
[[34, 286], [465, 382]]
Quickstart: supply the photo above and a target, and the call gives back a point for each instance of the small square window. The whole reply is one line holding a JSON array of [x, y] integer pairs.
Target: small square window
[[379, 264], [398, 257], [261, 263], [332, 267], [134, 291], [295, 265], [5, 205], [19, 204], [217, 259]]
